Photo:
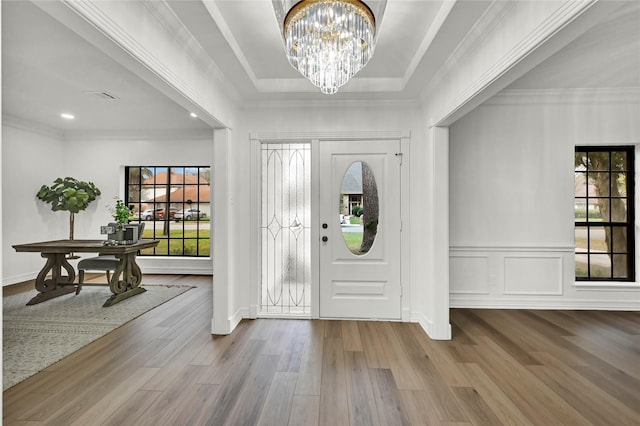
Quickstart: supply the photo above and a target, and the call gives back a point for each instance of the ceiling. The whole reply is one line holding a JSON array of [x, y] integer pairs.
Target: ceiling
[[48, 69]]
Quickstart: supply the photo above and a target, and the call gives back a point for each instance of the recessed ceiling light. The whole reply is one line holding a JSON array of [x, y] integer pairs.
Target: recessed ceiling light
[[67, 116], [193, 115]]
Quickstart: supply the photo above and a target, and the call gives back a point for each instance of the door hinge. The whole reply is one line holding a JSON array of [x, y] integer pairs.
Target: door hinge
[[399, 155]]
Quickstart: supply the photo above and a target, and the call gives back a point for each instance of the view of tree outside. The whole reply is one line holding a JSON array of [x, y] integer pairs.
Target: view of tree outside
[[604, 213], [360, 205], [371, 209], [174, 202]]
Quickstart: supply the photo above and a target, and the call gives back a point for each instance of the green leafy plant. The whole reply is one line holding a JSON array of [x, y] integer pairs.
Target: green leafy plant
[[120, 213], [69, 194]]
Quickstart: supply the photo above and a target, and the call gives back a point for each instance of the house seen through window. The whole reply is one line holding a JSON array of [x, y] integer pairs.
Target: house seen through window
[[604, 213], [174, 202]]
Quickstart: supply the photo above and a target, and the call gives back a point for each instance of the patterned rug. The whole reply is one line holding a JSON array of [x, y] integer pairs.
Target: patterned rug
[[34, 337]]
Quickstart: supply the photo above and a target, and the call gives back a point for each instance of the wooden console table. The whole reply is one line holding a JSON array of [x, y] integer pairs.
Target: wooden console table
[[124, 282]]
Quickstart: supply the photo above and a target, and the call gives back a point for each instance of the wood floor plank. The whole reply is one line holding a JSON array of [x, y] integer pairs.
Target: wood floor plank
[[310, 375], [499, 402], [253, 393], [439, 354], [362, 405], [277, 406], [475, 407], [305, 410], [233, 383], [387, 396], [418, 407], [374, 347], [351, 336], [231, 355], [291, 357], [334, 407], [437, 390], [130, 412], [109, 402]]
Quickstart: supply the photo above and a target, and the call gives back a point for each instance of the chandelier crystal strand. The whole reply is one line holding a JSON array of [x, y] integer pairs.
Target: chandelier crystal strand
[[329, 41]]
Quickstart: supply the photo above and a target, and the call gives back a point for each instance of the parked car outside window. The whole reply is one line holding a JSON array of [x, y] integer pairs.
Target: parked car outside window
[[148, 214], [189, 214], [172, 213]]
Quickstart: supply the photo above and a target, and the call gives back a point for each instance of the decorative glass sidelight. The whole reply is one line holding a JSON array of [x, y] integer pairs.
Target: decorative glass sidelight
[[286, 230]]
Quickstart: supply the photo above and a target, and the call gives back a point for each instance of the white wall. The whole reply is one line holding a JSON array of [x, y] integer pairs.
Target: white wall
[[31, 160], [511, 198]]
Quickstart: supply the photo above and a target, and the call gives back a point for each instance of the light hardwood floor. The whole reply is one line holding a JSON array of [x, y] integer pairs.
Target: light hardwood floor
[[502, 367]]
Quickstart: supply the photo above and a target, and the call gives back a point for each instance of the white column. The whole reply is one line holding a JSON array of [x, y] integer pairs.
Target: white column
[[438, 293], [221, 323]]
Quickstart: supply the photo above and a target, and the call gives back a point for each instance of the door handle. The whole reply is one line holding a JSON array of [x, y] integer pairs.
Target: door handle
[[325, 239]]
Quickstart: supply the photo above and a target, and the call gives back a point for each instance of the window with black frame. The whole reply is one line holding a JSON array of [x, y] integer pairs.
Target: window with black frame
[[604, 213], [174, 202]]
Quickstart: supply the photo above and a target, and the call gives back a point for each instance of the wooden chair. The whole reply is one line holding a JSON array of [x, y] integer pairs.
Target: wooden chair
[[107, 263]]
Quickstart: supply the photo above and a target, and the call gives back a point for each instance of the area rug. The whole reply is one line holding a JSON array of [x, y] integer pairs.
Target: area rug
[[34, 337]]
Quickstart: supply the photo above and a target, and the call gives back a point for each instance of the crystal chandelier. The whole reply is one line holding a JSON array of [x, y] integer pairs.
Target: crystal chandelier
[[328, 41]]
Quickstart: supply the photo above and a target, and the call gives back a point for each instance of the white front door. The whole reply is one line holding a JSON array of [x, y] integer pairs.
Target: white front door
[[355, 284]]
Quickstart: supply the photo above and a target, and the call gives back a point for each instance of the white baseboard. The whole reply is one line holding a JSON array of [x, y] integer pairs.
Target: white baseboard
[[227, 326], [15, 279], [534, 303], [427, 325]]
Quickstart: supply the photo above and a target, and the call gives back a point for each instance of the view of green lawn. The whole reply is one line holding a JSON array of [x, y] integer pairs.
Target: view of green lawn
[[173, 243], [353, 241]]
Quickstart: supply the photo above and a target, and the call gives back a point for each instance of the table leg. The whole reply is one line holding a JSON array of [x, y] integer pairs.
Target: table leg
[[58, 284], [125, 280]]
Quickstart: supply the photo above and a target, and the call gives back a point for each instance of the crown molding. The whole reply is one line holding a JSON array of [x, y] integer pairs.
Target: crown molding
[[31, 126], [329, 136], [139, 134], [569, 96], [334, 104]]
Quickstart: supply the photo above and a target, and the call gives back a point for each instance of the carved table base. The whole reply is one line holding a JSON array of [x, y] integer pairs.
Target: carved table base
[[58, 284], [124, 283]]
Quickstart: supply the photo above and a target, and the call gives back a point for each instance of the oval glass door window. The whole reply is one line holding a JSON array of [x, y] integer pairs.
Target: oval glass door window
[[359, 208]]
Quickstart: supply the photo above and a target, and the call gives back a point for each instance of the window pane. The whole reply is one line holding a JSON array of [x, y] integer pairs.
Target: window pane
[[620, 161], [598, 210], [580, 210], [597, 240], [618, 240], [619, 185], [618, 210], [599, 184], [582, 266], [598, 161], [600, 265], [620, 266], [581, 239], [204, 247]]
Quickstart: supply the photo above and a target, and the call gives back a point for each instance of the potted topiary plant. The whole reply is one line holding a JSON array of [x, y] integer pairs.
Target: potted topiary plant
[[120, 214], [69, 194]]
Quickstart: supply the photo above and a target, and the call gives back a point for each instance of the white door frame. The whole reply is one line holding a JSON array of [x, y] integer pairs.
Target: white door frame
[[316, 138]]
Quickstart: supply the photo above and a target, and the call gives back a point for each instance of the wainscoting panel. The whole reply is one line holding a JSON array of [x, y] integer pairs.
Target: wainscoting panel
[[469, 274], [532, 274], [513, 277]]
